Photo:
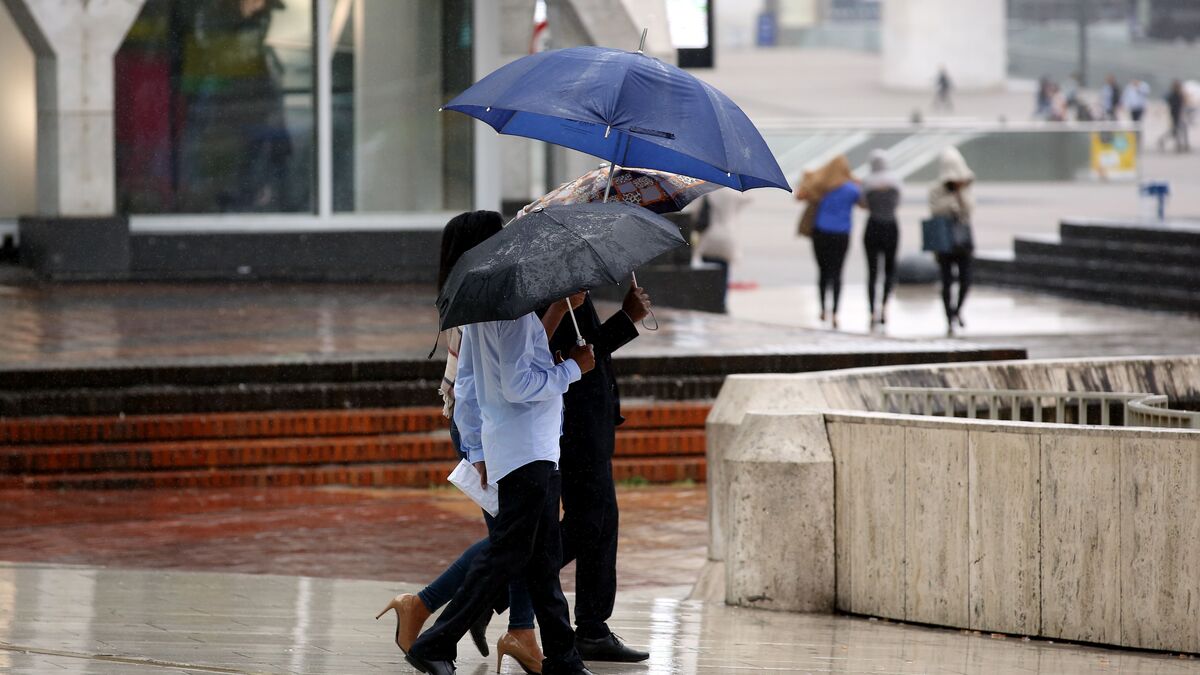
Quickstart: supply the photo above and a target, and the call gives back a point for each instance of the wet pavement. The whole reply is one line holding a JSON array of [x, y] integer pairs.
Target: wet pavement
[[401, 535], [60, 619], [1045, 326], [132, 323]]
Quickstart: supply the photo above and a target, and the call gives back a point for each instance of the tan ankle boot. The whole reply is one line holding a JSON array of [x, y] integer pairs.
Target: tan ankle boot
[[521, 645], [411, 615]]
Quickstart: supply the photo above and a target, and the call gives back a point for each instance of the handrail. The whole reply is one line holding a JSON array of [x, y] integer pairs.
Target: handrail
[[983, 125], [1140, 409]]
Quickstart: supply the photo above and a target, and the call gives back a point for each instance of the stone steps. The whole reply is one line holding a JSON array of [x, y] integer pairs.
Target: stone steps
[[1141, 265], [1086, 284], [164, 389], [286, 423], [660, 442], [418, 474], [223, 454]]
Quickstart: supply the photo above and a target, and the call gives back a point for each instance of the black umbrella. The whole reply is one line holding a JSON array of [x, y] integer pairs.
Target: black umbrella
[[550, 254]]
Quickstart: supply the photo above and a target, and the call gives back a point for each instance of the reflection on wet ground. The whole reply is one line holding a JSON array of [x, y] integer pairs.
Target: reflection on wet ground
[[88, 324], [404, 535], [102, 622]]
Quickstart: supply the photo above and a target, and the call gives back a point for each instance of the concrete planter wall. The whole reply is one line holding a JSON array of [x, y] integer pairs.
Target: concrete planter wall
[[1077, 533], [1071, 532]]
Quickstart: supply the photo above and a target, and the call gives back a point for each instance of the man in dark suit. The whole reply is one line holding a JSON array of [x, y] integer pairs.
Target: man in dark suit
[[591, 413]]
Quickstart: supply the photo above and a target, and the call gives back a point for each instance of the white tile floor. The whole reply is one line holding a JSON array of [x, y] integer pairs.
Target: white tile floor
[[56, 619]]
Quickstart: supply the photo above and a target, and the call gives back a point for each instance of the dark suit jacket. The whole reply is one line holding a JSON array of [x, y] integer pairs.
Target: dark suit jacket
[[592, 406]]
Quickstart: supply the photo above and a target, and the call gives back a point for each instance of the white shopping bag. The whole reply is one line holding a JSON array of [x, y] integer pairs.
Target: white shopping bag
[[466, 478]]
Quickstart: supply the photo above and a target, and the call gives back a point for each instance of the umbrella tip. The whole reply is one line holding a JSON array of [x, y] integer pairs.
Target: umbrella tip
[[642, 44]]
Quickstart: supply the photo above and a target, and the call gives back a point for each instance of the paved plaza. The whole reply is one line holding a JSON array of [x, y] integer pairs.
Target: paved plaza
[[402, 535], [65, 619], [288, 580], [127, 323]]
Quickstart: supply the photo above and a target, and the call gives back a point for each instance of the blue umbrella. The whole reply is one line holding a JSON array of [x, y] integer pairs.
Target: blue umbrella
[[628, 108]]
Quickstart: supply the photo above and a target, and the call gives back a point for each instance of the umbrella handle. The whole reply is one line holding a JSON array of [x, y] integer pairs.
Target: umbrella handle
[[579, 341], [635, 283]]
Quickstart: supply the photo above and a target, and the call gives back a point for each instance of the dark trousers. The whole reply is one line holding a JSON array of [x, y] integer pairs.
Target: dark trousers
[[881, 240], [831, 253], [947, 262], [524, 542], [589, 535]]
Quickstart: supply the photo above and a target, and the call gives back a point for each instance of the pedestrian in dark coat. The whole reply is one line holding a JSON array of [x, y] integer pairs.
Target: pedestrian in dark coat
[[591, 414]]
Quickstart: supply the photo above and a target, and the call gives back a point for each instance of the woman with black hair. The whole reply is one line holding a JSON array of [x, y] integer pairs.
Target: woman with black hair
[[462, 233], [880, 196]]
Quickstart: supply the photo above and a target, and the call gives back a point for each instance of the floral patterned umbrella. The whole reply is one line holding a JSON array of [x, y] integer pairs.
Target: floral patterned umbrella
[[659, 191]]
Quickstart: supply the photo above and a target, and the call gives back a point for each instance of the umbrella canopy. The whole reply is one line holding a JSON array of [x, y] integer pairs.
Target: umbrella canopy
[[550, 254], [659, 191], [628, 108]]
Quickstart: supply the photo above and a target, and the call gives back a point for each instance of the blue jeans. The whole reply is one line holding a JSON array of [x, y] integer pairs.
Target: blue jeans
[[438, 593]]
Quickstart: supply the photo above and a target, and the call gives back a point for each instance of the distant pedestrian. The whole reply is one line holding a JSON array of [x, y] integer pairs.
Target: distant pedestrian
[[1110, 97], [718, 243], [1041, 100], [1070, 89], [1177, 105], [880, 196], [944, 87], [951, 197], [1134, 99], [834, 191]]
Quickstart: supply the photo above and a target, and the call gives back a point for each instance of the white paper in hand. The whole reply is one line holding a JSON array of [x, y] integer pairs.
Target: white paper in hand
[[466, 478]]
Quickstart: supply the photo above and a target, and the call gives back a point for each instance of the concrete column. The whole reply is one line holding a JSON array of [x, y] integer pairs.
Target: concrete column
[[487, 53], [74, 42], [966, 36], [780, 541], [18, 122], [606, 23], [397, 127]]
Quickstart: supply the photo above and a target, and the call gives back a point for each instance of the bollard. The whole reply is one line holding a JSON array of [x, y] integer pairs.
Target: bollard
[[1154, 199]]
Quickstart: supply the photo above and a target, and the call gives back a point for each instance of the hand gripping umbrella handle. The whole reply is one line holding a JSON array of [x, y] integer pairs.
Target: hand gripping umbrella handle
[[579, 341]]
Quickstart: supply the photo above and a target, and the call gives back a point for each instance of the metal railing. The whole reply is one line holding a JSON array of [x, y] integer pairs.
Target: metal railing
[[1064, 407], [1049, 151]]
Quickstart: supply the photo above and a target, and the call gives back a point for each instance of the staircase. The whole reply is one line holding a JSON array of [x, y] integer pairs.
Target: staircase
[[410, 447], [1151, 266]]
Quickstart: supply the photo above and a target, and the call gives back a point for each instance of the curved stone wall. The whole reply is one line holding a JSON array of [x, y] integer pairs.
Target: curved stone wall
[[1063, 531]]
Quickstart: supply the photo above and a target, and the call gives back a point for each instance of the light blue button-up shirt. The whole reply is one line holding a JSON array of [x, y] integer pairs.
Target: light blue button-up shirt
[[508, 395]]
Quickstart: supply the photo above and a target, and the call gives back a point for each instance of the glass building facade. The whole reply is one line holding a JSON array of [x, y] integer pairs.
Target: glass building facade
[[219, 105]]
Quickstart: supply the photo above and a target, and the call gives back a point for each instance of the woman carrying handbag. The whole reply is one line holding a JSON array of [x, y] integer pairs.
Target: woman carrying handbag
[[830, 194], [951, 205]]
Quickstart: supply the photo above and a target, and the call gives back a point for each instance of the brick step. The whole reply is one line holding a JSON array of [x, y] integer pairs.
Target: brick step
[[420, 474], [166, 399], [288, 424], [185, 455]]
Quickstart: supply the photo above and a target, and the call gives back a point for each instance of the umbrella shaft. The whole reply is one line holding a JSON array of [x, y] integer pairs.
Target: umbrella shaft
[[578, 335], [612, 167]]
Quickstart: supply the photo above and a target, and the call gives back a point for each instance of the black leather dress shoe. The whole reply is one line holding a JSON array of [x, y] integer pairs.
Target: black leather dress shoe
[[608, 648], [430, 667]]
